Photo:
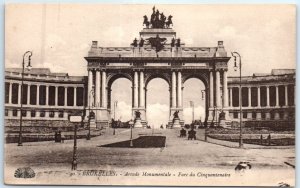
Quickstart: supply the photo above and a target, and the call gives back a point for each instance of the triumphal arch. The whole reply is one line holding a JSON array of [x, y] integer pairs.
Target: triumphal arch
[[157, 53]]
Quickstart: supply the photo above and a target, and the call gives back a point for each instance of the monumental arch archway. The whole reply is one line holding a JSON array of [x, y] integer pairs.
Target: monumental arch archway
[[120, 90], [201, 86], [157, 99], [157, 53]]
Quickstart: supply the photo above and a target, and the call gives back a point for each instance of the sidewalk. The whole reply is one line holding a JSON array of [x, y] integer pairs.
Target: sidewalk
[[245, 146], [201, 137]]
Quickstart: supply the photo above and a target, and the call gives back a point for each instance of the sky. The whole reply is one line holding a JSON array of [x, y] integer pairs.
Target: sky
[[60, 36]]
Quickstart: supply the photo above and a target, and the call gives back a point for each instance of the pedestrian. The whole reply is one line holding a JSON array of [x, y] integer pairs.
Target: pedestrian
[[62, 137]]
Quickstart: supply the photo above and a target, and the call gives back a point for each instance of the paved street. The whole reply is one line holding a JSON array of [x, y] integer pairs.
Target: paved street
[[179, 154]]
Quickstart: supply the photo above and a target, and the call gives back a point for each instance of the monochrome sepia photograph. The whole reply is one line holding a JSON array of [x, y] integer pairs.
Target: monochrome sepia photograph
[[150, 94]]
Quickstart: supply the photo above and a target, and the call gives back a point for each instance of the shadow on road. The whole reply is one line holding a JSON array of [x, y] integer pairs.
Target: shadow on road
[[140, 142]]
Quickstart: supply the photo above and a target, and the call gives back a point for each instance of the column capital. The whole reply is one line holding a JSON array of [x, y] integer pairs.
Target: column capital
[[218, 70], [138, 69], [222, 69], [176, 70]]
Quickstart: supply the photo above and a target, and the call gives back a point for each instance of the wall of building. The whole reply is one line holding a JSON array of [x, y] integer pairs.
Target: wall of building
[[46, 95], [53, 97], [265, 97]]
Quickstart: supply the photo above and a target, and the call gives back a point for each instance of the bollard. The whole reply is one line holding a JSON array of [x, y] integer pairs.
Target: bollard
[[269, 139]]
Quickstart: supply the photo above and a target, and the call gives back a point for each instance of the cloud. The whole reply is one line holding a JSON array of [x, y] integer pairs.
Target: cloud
[[123, 111], [157, 114], [199, 111]]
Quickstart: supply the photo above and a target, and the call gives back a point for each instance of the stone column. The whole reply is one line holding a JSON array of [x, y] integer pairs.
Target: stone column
[[135, 90], [37, 94], [146, 97], [268, 97], [249, 97], [286, 95], [10, 93], [230, 91], [47, 95], [173, 89], [258, 97], [66, 96], [170, 98], [142, 94], [97, 89], [182, 96], [211, 89], [218, 94], [277, 96], [179, 94], [28, 94], [75, 96], [90, 87], [19, 93], [225, 90], [56, 96], [104, 101]]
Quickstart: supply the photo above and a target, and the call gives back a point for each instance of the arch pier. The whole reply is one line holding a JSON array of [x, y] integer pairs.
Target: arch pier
[[210, 66]]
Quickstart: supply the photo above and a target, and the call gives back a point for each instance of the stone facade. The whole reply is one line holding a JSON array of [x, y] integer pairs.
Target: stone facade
[[46, 95], [276, 91], [265, 97], [174, 63]]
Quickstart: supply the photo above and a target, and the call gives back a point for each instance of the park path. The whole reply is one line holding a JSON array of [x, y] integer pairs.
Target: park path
[[178, 151], [50, 159]]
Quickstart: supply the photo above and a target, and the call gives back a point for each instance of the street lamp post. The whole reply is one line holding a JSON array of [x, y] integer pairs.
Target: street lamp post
[[74, 161], [115, 106], [235, 55], [89, 118], [21, 97], [131, 124]]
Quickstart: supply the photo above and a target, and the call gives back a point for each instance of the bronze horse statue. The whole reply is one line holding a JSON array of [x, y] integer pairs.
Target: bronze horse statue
[[169, 22], [146, 22]]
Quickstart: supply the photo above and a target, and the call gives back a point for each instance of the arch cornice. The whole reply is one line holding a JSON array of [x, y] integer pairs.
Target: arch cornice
[[203, 76], [111, 77], [151, 75]]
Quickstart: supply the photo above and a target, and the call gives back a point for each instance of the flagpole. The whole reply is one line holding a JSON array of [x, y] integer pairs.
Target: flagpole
[[192, 105], [193, 112]]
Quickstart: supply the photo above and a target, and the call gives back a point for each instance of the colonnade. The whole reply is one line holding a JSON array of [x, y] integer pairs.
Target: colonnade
[[215, 89], [99, 98], [176, 90], [138, 90], [287, 94], [37, 95]]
